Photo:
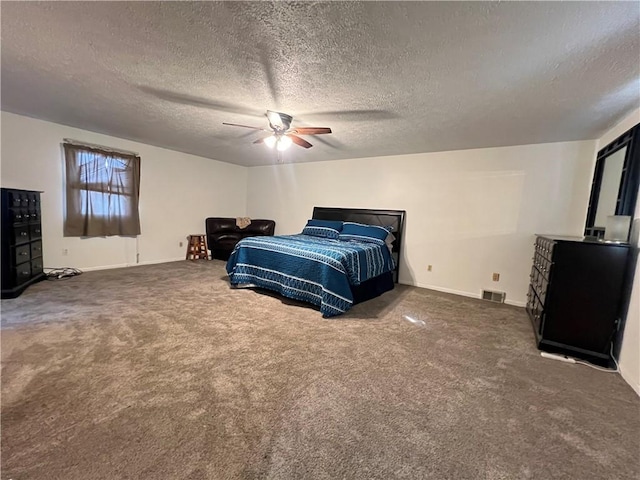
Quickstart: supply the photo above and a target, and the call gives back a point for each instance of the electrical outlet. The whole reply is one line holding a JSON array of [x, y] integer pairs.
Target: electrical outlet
[[496, 277], [429, 268], [65, 252], [181, 243]]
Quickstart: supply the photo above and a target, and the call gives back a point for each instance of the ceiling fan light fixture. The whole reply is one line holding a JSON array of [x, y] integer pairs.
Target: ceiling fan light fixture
[[284, 142], [279, 121], [283, 137], [270, 141], [274, 119]]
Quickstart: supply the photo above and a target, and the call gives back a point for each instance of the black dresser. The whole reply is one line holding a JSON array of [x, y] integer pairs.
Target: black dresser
[[576, 296], [21, 241]]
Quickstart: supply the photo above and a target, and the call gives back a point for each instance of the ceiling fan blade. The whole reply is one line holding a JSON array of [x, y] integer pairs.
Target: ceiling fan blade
[[311, 130], [329, 143], [260, 140], [244, 126], [299, 141]]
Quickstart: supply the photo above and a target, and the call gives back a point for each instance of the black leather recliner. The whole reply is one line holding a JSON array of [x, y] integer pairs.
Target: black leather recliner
[[223, 234]]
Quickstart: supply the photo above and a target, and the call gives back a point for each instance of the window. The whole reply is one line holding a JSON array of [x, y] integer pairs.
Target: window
[[102, 190]]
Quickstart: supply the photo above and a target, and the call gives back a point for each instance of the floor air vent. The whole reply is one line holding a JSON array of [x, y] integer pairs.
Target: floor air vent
[[493, 296]]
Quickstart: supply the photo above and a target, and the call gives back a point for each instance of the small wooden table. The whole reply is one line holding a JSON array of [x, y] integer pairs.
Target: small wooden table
[[197, 248]]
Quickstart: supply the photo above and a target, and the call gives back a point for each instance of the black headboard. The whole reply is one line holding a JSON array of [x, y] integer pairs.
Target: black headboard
[[382, 218]]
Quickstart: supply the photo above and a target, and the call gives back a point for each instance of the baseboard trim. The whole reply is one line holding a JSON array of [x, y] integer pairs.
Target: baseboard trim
[[461, 293], [125, 265], [448, 290], [153, 262], [515, 304], [104, 267]]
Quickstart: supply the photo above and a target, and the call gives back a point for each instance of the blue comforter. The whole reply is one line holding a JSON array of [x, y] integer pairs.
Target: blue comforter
[[312, 269]]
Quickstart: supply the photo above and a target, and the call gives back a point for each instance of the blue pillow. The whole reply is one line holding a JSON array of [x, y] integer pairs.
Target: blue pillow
[[325, 232], [363, 233], [335, 224]]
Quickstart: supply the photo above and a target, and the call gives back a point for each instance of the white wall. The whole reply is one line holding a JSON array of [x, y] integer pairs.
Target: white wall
[[177, 192], [469, 213], [630, 350]]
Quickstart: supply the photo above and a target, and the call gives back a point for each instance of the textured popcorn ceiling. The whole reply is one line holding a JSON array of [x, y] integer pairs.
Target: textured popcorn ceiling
[[407, 77]]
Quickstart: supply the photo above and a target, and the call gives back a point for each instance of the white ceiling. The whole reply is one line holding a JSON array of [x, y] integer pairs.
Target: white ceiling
[[387, 77]]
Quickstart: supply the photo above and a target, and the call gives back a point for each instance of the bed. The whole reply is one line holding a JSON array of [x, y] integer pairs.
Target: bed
[[331, 270]]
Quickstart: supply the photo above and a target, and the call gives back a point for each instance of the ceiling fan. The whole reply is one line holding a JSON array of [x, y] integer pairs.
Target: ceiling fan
[[283, 137]]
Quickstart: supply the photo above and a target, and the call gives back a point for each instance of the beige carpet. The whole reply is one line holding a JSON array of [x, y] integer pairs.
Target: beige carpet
[[164, 372]]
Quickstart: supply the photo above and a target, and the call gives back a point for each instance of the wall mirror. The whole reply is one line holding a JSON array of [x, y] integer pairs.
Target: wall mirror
[[615, 182]]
